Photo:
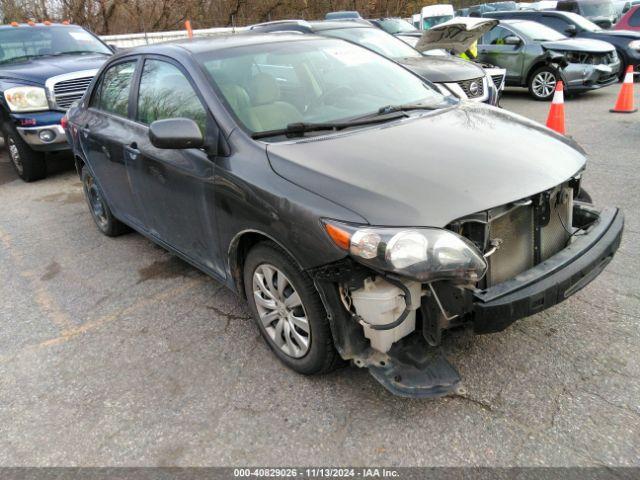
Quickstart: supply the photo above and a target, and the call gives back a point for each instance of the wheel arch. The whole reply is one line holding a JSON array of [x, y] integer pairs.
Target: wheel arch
[[239, 248]]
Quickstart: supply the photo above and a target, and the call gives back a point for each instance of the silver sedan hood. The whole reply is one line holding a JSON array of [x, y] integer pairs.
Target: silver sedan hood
[[432, 169]]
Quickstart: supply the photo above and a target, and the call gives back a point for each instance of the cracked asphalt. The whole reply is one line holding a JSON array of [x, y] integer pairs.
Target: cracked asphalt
[[113, 352]]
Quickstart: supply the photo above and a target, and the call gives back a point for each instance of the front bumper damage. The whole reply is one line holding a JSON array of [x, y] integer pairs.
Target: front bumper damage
[[416, 366], [582, 77]]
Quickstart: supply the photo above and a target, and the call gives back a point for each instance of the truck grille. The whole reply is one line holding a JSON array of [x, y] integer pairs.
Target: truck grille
[[546, 225], [66, 89], [468, 88]]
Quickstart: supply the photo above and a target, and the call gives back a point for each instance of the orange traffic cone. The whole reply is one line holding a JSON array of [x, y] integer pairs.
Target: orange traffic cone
[[625, 98], [555, 120]]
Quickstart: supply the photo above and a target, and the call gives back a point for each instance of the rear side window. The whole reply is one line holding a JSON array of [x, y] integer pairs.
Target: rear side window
[[165, 92], [112, 94], [634, 20]]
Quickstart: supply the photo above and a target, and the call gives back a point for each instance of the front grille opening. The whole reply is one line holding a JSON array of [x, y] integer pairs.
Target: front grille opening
[[473, 88], [528, 231]]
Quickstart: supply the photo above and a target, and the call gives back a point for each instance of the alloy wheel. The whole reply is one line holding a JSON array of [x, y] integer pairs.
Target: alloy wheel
[[14, 154], [544, 84], [281, 311]]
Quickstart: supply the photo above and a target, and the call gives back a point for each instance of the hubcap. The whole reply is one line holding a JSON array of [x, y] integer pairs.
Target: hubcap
[[96, 203], [544, 84], [281, 311], [15, 156]]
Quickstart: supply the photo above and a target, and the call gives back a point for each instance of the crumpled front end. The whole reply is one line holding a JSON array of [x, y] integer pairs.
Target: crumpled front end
[[590, 71], [538, 251]]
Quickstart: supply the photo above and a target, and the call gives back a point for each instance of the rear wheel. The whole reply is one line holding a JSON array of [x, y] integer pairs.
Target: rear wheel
[[542, 83], [100, 211], [288, 311], [29, 164]]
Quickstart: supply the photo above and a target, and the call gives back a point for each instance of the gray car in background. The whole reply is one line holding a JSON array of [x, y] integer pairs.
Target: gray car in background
[[536, 57]]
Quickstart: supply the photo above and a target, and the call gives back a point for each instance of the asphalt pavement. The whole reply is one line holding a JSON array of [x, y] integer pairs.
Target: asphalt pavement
[[113, 352]]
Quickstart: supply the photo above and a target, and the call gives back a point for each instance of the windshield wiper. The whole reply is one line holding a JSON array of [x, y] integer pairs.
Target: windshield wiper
[[300, 128], [17, 59], [405, 108], [78, 52]]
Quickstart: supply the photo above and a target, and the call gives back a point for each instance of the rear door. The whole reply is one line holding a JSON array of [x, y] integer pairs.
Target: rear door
[[175, 187], [493, 49], [104, 130]]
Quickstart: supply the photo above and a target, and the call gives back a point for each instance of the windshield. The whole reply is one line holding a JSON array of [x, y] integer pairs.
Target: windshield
[[376, 40], [582, 22], [597, 9], [23, 43], [273, 85], [429, 22], [538, 32], [395, 25]]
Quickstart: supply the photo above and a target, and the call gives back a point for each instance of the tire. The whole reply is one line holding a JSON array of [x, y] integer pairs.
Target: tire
[[29, 164], [319, 355], [100, 211], [542, 83]]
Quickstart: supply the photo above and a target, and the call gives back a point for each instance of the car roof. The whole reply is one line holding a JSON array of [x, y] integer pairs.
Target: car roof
[[217, 42], [315, 25]]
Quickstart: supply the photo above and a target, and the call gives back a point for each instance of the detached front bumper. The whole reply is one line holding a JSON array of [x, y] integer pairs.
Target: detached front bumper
[[553, 280], [42, 130], [580, 77]]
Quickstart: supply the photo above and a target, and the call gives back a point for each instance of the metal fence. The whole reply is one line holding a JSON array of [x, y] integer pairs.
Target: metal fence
[[134, 39]]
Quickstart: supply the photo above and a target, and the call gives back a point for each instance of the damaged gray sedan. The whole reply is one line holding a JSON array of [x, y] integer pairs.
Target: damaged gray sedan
[[536, 57], [309, 197]]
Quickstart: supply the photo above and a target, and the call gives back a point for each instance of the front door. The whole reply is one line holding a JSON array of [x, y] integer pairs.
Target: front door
[[492, 48], [174, 187]]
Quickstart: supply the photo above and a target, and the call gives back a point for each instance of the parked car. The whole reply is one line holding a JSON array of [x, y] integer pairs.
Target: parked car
[[630, 20], [600, 12], [44, 67], [311, 200], [433, 15], [479, 10], [395, 26], [626, 42], [536, 57], [456, 36], [627, 5], [453, 76]]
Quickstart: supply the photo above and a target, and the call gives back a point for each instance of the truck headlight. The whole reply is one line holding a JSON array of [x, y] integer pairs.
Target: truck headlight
[[26, 99], [634, 44], [422, 254]]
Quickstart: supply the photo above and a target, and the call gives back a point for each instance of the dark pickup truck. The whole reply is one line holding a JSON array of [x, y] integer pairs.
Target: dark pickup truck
[[44, 68]]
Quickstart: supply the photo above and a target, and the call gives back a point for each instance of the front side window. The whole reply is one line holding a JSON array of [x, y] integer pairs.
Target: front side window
[[376, 40], [165, 92], [634, 21], [21, 44], [496, 36], [539, 33], [341, 81], [112, 93]]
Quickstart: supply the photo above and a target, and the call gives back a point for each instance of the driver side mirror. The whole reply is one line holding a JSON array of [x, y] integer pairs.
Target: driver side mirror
[[512, 40], [175, 133], [571, 30]]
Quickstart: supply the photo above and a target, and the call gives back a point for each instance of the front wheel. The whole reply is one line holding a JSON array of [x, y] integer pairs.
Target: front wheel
[[29, 164], [542, 83], [288, 311]]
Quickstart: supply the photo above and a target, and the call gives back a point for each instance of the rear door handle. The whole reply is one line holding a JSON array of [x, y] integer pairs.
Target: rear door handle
[[132, 151]]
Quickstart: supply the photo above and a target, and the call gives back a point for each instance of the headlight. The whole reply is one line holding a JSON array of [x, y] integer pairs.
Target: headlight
[[422, 254], [26, 99], [635, 44]]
